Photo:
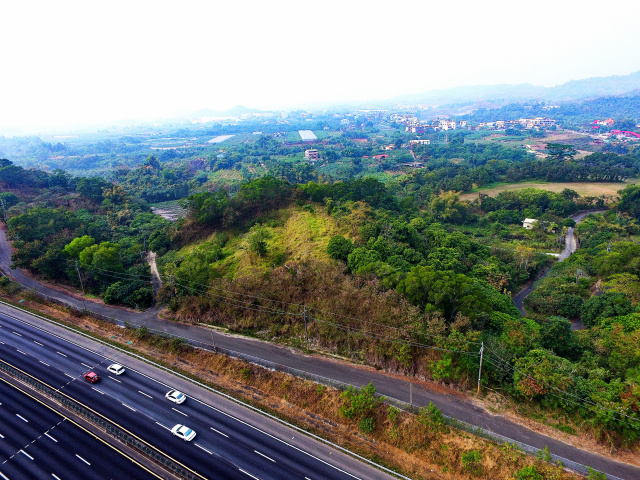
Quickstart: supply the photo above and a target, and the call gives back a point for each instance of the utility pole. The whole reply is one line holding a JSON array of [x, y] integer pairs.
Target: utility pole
[[81, 285], [410, 393], [215, 349], [480, 369], [306, 330]]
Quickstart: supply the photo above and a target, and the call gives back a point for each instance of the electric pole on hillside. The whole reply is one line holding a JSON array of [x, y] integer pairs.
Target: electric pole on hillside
[[480, 369], [81, 285]]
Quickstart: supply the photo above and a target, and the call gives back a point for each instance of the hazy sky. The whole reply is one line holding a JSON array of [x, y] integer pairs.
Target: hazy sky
[[72, 62]]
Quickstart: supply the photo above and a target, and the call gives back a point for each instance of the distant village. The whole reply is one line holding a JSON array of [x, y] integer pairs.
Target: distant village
[[413, 125]]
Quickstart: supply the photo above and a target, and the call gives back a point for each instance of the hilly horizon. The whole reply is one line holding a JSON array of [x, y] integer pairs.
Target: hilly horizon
[[582, 89], [500, 94]]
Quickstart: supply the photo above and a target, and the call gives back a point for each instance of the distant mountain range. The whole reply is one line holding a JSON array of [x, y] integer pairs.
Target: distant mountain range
[[468, 98], [503, 94]]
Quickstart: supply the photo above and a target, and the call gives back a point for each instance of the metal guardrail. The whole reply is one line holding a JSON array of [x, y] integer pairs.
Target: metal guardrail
[[453, 422], [101, 422]]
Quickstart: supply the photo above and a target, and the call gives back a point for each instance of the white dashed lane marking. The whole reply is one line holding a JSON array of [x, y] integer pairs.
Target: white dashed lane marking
[[217, 431], [263, 455]]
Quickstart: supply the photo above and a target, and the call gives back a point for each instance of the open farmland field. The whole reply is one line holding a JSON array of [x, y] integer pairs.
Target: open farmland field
[[584, 189], [293, 137]]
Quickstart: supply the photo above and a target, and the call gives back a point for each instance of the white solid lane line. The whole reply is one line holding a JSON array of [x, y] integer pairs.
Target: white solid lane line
[[22, 418], [44, 363], [17, 334], [60, 353], [38, 343], [181, 413], [114, 379], [129, 407], [99, 391], [247, 473], [82, 459], [217, 431], [51, 437], [26, 454], [145, 394], [202, 448], [263, 455]]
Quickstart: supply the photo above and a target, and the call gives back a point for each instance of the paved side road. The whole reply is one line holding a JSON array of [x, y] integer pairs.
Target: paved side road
[[388, 385], [570, 246]]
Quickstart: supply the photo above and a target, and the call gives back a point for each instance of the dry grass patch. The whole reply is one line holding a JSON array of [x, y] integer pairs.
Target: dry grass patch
[[584, 189]]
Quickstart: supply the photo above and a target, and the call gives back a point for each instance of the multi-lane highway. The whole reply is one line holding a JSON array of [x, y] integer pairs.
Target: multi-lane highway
[[230, 442], [36, 442]]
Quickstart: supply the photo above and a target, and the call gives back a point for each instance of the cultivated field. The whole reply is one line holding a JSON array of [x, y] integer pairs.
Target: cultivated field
[[219, 138], [584, 189]]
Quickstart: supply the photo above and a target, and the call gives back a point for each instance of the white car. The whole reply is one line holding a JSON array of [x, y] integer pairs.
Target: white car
[[183, 432], [116, 369], [175, 396]]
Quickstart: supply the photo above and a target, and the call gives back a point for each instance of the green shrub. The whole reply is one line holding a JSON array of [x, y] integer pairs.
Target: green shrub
[[366, 425], [528, 473], [471, 461], [142, 332], [392, 413], [595, 475], [359, 403]]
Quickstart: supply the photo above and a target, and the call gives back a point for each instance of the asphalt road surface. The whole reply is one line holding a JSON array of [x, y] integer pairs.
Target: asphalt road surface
[[36, 442], [228, 443]]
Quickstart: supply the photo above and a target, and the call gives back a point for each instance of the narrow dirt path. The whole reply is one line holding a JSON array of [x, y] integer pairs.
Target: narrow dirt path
[[156, 281]]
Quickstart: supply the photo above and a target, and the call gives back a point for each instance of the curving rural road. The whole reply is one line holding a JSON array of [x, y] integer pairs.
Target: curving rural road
[[570, 246], [453, 405]]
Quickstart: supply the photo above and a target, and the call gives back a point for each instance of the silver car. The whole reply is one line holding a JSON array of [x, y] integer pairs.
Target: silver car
[[183, 432], [116, 369]]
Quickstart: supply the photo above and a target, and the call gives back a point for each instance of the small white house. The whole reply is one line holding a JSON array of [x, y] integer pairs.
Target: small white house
[[528, 223]]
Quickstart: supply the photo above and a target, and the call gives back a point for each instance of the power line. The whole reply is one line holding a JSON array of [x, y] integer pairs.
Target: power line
[[247, 305], [576, 399], [402, 342]]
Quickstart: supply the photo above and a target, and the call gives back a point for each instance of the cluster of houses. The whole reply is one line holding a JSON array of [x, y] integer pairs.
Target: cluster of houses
[[413, 125]]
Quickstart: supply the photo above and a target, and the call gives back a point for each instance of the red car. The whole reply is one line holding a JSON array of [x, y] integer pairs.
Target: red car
[[91, 377]]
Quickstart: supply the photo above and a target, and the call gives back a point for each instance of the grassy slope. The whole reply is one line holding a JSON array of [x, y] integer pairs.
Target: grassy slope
[[297, 233]]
